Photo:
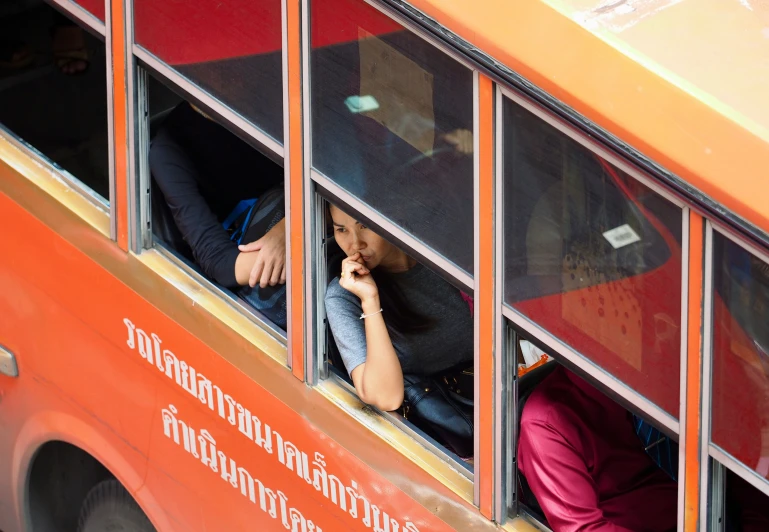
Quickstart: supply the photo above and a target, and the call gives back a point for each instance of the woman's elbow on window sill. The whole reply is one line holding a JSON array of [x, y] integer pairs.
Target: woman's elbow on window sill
[[385, 404]]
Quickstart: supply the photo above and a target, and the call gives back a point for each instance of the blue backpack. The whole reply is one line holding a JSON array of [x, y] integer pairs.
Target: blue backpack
[[249, 221]]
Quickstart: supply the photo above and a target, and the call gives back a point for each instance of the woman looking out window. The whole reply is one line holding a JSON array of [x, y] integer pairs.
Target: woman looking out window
[[390, 315]]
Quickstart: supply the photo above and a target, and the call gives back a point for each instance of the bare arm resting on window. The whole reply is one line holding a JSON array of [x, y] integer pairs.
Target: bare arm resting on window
[[378, 380]]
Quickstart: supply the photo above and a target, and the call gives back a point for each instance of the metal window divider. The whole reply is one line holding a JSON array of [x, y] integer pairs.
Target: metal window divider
[[706, 379], [138, 182], [314, 250], [484, 293], [297, 230], [504, 399], [118, 100], [716, 493], [683, 377], [691, 415]]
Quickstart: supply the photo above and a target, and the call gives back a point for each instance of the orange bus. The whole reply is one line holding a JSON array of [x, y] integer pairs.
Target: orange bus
[[588, 174]]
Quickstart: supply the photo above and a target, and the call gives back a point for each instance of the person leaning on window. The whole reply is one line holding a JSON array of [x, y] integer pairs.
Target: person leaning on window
[[204, 171], [585, 464], [582, 458], [390, 315]]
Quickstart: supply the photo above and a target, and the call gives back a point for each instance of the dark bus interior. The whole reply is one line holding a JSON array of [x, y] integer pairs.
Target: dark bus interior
[[162, 102], [61, 114]]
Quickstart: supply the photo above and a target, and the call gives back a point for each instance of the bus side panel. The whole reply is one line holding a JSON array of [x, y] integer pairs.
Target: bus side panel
[[69, 389], [223, 452]]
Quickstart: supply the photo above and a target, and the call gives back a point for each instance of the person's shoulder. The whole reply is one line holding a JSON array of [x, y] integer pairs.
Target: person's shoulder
[[334, 291], [166, 136], [423, 276], [340, 302], [549, 401]]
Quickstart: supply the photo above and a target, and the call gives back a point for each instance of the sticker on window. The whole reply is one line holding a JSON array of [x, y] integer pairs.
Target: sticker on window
[[361, 104], [621, 236]]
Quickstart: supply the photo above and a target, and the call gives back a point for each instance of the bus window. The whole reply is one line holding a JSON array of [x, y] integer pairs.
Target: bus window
[[740, 402], [584, 461], [213, 193], [53, 91], [593, 256], [94, 7], [392, 120], [230, 49], [422, 327]]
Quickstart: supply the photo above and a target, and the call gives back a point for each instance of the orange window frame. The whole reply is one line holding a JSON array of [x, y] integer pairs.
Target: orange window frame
[[117, 86]]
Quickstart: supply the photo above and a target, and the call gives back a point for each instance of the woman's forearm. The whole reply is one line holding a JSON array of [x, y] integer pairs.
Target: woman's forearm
[[381, 383], [243, 266]]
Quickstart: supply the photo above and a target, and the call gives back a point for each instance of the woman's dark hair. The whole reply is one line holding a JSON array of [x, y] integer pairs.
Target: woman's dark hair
[[399, 316]]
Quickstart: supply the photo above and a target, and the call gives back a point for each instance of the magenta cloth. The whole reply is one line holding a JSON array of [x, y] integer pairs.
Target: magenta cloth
[[585, 464]]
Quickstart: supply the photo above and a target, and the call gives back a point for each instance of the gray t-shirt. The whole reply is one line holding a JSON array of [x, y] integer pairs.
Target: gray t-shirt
[[447, 343]]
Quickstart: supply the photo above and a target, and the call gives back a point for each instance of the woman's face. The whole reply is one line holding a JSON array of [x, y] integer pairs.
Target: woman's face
[[353, 237]]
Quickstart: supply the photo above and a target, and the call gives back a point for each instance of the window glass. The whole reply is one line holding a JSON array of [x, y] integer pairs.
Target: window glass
[[53, 91], [740, 405], [94, 7], [212, 191], [392, 124], [593, 256], [231, 49]]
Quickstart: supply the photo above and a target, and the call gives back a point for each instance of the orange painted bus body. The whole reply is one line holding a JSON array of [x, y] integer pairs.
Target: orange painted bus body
[[116, 361], [183, 429]]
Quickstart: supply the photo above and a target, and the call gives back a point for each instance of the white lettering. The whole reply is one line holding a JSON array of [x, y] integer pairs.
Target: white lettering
[[202, 446]]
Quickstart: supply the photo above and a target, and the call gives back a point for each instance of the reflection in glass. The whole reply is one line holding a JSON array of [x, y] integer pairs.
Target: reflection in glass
[[593, 256], [231, 49], [740, 407], [94, 7], [392, 124]]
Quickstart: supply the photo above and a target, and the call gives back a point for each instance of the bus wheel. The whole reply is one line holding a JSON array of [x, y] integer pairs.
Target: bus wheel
[[109, 507]]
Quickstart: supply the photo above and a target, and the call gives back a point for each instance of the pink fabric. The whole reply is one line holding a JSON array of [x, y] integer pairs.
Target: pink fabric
[[585, 464]]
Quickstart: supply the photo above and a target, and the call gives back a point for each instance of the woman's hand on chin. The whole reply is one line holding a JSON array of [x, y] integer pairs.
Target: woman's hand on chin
[[357, 278]]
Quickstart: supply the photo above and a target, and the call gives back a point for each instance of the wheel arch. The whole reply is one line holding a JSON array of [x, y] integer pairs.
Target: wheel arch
[[47, 433]]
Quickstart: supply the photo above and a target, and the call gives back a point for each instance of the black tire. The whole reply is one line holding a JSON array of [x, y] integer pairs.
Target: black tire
[[109, 507]]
